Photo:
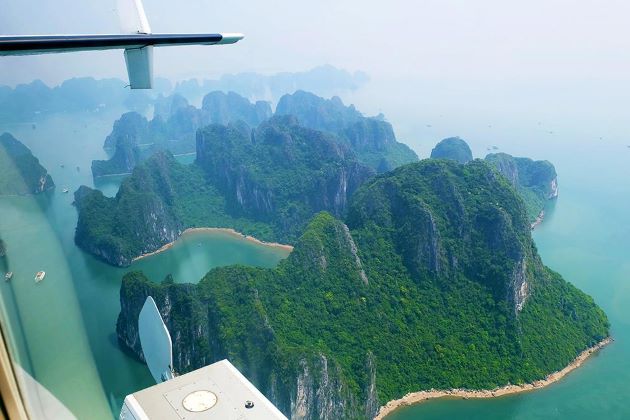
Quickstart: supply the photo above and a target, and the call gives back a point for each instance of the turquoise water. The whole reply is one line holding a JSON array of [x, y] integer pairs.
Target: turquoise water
[[585, 236], [63, 329], [68, 341]]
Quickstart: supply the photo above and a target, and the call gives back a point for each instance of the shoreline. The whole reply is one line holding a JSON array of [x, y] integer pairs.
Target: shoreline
[[229, 231], [539, 219], [418, 397]]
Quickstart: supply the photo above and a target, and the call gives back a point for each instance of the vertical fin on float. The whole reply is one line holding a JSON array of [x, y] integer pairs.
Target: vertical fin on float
[[156, 343], [139, 61]]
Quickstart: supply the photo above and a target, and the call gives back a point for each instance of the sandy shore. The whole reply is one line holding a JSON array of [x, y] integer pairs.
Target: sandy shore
[[228, 231], [416, 397]]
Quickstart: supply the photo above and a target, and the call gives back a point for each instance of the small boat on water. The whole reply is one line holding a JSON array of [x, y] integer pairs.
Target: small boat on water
[[8, 276], [65, 190], [40, 276]]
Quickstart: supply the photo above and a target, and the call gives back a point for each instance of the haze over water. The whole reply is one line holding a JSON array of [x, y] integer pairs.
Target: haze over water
[[69, 319]]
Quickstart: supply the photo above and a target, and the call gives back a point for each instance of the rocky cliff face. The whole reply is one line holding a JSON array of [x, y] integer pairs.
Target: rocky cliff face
[[173, 128], [438, 231], [131, 128], [372, 139], [224, 108], [126, 156], [265, 182], [165, 107], [20, 171], [304, 384], [140, 219], [536, 181], [281, 168], [433, 282]]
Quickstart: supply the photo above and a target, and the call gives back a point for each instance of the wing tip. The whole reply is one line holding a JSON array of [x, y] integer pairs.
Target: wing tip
[[230, 38]]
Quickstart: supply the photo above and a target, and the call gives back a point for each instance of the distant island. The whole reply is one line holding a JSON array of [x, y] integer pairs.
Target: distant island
[[20, 171], [173, 128], [35, 100], [175, 124], [266, 181], [430, 280], [29, 102], [535, 181], [453, 148], [371, 138], [323, 80]]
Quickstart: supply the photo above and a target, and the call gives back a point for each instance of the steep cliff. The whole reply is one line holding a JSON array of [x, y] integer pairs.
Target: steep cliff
[[267, 182], [452, 148], [433, 282], [281, 173], [20, 171], [173, 128], [536, 181], [372, 139], [224, 108]]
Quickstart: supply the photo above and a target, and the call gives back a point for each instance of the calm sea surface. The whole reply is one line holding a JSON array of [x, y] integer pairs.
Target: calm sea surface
[[64, 327]]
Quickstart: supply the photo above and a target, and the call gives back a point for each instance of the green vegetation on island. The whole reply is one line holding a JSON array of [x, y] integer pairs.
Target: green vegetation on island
[[173, 128], [433, 281], [453, 148], [20, 171], [266, 182], [372, 139], [535, 180]]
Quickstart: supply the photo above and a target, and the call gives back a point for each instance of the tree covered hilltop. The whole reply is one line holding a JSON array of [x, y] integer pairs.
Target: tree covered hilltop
[[20, 171], [176, 122], [262, 178], [535, 180], [431, 281]]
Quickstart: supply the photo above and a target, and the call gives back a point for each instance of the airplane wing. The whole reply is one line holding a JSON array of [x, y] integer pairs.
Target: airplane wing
[[138, 43], [43, 44]]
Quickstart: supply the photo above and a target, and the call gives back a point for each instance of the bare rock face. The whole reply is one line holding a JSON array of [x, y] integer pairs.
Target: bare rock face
[[280, 168], [519, 285], [346, 238]]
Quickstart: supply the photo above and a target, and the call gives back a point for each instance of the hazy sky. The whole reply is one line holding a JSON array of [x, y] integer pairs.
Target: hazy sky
[[500, 40]]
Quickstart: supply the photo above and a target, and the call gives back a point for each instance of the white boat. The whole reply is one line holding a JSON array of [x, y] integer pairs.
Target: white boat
[[40, 276], [8, 276], [65, 190]]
